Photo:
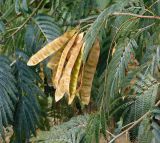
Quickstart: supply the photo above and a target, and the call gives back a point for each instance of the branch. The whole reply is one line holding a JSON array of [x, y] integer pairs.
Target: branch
[[80, 21], [92, 18], [32, 14], [134, 124], [135, 15]]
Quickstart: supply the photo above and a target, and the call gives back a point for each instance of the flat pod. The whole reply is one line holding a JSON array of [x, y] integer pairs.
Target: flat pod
[[70, 64], [88, 73], [54, 70], [74, 77], [63, 86], [63, 59], [53, 64], [54, 60], [50, 48]]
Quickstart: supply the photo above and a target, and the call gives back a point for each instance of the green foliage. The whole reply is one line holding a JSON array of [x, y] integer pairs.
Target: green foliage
[[155, 125], [119, 64], [8, 92], [100, 22], [72, 131], [126, 84], [27, 113], [145, 89], [145, 134], [47, 26], [21, 6], [93, 129]]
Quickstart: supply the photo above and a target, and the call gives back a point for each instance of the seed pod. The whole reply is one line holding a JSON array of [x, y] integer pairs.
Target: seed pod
[[54, 61], [64, 82], [63, 59], [50, 48], [74, 77], [88, 73]]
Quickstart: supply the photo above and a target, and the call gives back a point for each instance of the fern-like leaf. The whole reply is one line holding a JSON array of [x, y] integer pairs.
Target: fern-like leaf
[[8, 93], [48, 26], [145, 88], [27, 113], [118, 65], [72, 131], [100, 22]]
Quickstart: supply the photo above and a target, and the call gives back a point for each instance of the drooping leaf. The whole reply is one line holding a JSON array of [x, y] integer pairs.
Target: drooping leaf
[[100, 22], [8, 93], [93, 129], [31, 40], [50, 48], [25, 5], [27, 114], [21, 6], [17, 6], [88, 73], [144, 133], [119, 63], [26, 118], [146, 89]]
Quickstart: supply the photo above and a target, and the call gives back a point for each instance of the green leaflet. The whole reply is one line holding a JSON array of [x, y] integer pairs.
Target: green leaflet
[[8, 93], [118, 65], [27, 112], [98, 24], [48, 26]]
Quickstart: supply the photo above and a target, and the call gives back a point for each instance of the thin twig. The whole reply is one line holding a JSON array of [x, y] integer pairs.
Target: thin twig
[[135, 15], [110, 133], [92, 18], [124, 127], [135, 123], [26, 21], [13, 63], [80, 21], [154, 3]]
